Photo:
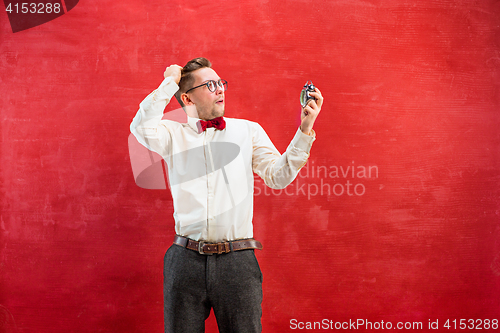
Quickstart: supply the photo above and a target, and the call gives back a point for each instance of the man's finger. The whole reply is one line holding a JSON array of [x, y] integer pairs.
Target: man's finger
[[308, 110], [312, 104], [319, 98], [316, 94]]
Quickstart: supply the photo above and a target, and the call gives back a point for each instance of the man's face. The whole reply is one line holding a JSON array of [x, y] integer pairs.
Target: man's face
[[208, 104]]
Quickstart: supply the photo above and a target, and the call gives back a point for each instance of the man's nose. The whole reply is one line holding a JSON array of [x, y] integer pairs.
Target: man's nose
[[219, 89]]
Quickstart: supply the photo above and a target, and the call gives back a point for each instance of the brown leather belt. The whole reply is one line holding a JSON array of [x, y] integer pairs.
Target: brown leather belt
[[219, 248]]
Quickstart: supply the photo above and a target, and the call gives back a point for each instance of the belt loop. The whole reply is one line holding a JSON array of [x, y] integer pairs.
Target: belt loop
[[231, 246]]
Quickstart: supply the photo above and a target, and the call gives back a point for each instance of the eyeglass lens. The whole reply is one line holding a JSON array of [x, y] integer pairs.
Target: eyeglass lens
[[212, 85]]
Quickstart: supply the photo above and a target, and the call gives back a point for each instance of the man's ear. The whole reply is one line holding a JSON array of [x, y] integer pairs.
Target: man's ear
[[189, 106], [186, 100]]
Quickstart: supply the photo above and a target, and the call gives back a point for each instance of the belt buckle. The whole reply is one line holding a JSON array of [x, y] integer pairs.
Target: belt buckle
[[200, 248]]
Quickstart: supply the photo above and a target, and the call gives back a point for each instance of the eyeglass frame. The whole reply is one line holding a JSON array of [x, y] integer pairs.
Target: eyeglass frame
[[221, 83]]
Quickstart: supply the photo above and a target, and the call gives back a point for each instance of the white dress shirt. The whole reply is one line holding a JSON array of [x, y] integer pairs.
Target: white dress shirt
[[210, 173]]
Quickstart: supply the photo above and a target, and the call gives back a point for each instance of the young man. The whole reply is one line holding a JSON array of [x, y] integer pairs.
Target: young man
[[211, 160]]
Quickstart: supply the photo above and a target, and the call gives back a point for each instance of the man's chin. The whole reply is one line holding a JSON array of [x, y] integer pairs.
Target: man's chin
[[219, 112]]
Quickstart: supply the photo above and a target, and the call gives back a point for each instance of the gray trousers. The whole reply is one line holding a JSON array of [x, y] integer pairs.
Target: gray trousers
[[230, 283]]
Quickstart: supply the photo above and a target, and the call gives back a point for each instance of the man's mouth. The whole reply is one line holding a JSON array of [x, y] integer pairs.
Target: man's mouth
[[220, 101]]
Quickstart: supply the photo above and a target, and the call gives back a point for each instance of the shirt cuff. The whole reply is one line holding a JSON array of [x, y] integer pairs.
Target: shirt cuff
[[167, 88], [303, 141]]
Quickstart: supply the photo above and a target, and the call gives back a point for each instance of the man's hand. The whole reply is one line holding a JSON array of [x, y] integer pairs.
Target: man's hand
[[310, 112], [173, 71]]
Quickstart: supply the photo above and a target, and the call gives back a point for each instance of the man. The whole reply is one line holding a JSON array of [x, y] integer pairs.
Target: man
[[211, 160]]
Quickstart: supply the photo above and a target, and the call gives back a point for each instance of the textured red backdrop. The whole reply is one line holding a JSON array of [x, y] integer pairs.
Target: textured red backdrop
[[411, 94]]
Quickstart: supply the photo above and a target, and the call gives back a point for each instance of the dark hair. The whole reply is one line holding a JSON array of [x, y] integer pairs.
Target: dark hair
[[187, 78]]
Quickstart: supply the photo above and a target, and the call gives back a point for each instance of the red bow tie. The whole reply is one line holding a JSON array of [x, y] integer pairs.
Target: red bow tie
[[219, 123]]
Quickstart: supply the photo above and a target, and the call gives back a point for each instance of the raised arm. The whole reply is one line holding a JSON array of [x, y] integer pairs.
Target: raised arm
[[279, 170], [146, 125]]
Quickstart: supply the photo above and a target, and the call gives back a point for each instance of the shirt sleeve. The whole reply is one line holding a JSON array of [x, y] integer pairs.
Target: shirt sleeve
[[279, 170], [146, 125]]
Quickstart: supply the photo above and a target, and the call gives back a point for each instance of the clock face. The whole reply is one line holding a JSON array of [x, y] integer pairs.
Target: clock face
[[303, 98]]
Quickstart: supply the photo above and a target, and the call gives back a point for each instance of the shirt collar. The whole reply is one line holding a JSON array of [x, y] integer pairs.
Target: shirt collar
[[193, 123]]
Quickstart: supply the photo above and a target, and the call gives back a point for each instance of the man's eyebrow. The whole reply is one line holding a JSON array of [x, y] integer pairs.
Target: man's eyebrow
[[210, 80]]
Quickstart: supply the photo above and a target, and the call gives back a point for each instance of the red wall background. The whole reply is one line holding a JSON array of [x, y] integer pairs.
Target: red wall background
[[411, 90]]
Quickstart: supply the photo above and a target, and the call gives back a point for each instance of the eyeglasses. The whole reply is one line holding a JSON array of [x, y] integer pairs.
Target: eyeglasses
[[212, 85]]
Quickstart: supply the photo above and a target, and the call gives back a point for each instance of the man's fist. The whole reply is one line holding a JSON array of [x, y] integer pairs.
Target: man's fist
[[311, 111], [173, 71]]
